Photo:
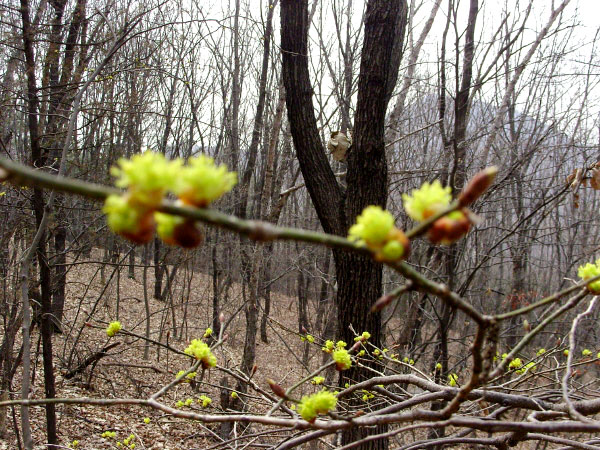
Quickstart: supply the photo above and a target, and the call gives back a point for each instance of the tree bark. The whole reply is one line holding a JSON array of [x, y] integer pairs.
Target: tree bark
[[359, 278]]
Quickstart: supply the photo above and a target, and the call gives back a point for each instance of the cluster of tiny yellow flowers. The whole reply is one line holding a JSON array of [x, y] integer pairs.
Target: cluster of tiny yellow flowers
[[320, 403], [328, 347], [75, 444], [541, 351], [375, 229], [201, 351], [367, 395], [147, 178], [208, 332], [340, 355], [129, 441], [234, 395], [529, 367], [309, 338], [167, 225], [363, 337], [109, 434], [317, 380], [205, 401], [452, 379], [586, 352], [438, 366], [188, 378], [202, 182], [515, 363], [427, 201], [146, 420], [342, 359], [113, 328], [431, 199], [590, 271], [566, 352]]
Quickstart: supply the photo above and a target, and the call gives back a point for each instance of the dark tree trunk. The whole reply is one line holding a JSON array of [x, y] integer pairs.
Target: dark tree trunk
[[38, 207], [60, 274], [359, 278]]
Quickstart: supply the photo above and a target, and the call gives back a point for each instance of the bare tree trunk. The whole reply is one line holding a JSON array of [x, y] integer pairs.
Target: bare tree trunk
[[359, 278]]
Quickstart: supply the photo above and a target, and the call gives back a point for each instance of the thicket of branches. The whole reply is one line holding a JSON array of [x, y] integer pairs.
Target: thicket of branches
[[489, 341]]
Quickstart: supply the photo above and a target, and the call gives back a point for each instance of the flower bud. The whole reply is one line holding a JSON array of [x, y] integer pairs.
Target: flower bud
[[277, 390], [480, 183], [450, 228], [187, 235]]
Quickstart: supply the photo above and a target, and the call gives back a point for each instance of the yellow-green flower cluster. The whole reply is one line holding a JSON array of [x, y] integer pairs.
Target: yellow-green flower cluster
[[367, 395], [188, 378], [452, 379], [372, 226], [541, 351], [320, 403], [375, 228], [363, 337], [309, 338], [201, 351], [205, 401], [208, 332], [529, 367], [317, 380], [148, 177], [590, 271], [113, 328], [586, 352], [515, 363], [426, 201], [75, 444], [166, 225], [134, 223], [342, 359], [129, 441], [202, 182], [328, 347], [146, 420], [109, 434]]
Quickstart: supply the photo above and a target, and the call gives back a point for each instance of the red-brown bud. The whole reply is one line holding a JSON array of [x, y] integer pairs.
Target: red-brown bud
[[480, 183], [382, 302], [355, 346], [145, 230], [187, 235], [277, 390], [449, 229]]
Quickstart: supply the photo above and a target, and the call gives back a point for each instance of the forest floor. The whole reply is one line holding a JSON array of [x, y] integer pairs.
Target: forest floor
[[93, 301], [125, 373]]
